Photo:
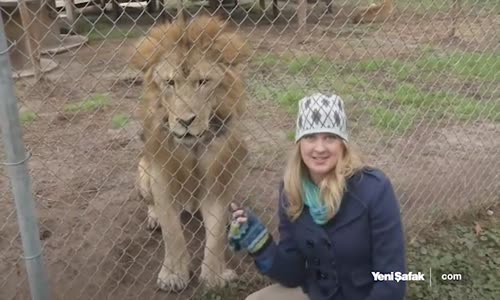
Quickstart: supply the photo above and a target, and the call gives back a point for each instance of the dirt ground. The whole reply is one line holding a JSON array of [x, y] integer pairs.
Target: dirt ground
[[96, 245]]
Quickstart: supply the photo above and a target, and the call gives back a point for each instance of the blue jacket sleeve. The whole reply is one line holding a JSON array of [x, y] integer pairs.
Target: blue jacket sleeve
[[388, 251], [282, 261]]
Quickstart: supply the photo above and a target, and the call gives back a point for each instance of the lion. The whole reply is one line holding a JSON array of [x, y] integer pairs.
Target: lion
[[373, 13], [368, 14], [193, 156]]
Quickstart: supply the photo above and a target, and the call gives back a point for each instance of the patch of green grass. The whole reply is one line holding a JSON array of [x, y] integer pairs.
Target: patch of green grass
[[349, 86], [290, 97], [410, 94], [457, 247], [27, 117], [387, 119], [442, 103], [479, 66], [471, 110], [433, 66], [401, 91], [120, 120], [93, 103], [106, 29], [268, 61], [412, 78], [309, 65], [399, 69], [304, 65], [263, 92], [370, 65], [377, 93]]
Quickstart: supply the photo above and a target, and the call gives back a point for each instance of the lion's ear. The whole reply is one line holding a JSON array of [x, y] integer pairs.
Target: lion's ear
[[145, 52], [233, 49]]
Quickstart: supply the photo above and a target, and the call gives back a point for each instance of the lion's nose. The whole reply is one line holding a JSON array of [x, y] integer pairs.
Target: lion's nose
[[186, 122]]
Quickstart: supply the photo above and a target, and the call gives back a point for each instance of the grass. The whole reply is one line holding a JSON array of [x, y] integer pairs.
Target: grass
[[391, 120], [293, 65], [27, 117], [90, 104], [473, 66], [471, 110], [394, 92], [119, 121], [105, 29], [470, 66], [469, 247], [308, 64], [290, 97], [432, 6], [268, 61]]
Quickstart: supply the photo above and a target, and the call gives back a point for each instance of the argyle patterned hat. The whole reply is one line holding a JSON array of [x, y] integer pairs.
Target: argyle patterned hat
[[319, 113]]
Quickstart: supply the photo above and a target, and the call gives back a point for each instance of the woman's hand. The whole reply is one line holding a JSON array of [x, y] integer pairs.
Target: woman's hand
[[239, 215], [246, 231]]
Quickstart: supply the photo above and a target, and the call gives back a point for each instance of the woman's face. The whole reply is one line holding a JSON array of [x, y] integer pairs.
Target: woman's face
[[320, 153]]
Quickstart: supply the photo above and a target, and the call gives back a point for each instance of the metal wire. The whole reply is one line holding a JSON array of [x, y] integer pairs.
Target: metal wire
[[420, 86]]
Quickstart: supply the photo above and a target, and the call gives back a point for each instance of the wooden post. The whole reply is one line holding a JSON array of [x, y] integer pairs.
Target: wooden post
[[302, 19], [262, 4], [27, 19], [49, 34], [180, 11], [455, 11], [70, 13], [24, 34]]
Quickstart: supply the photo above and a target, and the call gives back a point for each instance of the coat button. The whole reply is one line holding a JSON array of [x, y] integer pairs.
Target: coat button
[[316, 261], [327, 243], [321, 275], [332, 263], [323, 290], [310, 244]]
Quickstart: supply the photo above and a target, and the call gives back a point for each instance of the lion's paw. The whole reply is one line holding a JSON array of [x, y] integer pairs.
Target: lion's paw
[[152, 222], [172, 282], [214, 280]]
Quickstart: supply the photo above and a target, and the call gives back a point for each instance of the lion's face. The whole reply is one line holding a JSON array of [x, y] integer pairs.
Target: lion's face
[[192, 77], [188, 96]]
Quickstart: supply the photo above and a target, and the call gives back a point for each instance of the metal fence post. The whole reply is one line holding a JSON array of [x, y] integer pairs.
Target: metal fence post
[[19, 176]]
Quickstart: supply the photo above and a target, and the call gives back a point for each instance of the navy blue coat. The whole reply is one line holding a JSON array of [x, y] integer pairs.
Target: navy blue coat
[[334, 261]]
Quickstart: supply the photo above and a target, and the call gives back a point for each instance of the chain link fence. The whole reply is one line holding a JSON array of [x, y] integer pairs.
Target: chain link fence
[[419, 78]]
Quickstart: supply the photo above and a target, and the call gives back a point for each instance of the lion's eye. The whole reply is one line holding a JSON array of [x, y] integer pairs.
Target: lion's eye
[[202, 82], [171, 83]]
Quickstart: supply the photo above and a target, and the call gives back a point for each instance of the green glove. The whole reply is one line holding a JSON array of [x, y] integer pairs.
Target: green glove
[[252, 235]]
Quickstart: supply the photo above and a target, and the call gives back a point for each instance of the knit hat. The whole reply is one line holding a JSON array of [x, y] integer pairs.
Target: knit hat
[[319, 113]]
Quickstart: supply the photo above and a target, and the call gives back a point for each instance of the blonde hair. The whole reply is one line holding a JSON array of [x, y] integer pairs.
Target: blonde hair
[[332, 187]]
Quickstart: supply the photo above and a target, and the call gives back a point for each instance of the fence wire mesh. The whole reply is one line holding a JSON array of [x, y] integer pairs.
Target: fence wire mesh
[[421, 93]]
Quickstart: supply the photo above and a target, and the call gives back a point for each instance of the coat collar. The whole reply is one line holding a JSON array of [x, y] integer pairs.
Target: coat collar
[[350, 209]]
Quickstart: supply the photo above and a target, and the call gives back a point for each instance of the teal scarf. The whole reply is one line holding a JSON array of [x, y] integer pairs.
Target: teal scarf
[[312, 199]]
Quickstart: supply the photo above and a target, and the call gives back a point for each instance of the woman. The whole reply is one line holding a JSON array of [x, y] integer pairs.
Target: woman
[[339, 219]]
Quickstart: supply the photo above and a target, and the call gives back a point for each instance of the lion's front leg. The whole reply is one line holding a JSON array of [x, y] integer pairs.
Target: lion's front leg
[[213, 270], [143, 185], [174, 273], [152, 221]]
